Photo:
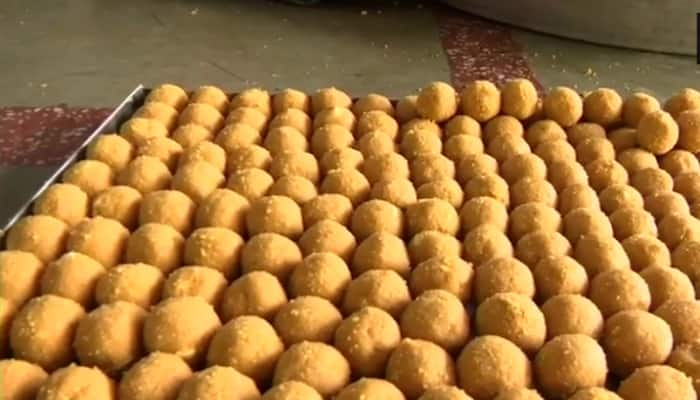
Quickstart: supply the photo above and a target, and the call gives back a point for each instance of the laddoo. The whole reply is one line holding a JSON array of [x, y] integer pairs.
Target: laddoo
[[377, 121], [657, 132], [79, 383], [572, 314], [530, 217], [629, 221], [564, 174], [345, 158], [285, 139], [120, 203], [42, 235], [594, 393], [417, 365], [519, 98], [483, 210], [158, 245], [292, 390], [145, 174], [369, 389], [563, 105], [197, 179], [202, 114], [90, 176], [619, 289], [515, 317], [139, 284], [249, 116], [251, 183], [487, 185], [556, 150], [328, 98], [406, 108], [372, 101], [542, 131], [437, 102], [431, 215], [290, 99], [429, 244], [688, 184], [603, 106], [207, 283], [103, 239], [533, 190], [636, 106], [485, 242], [675, 228], [219, 381], [502, 125], [457, 147], [385, 167], [112, 149], [663, 203], [164, 149], [375, 143], [637, 159], [319, 365], [211, 95], [74, 277], [223, 208], [307, 318], [651, 180], [270, 252], [64, 201], [375, 216], [253, 97], [399, 192], [335, 207], [328, 236], [324, 275], [417, 142], [685, 257], [444, 189], [577, 196], [381, 288], [20, 274], [519, 394], [138, 130], [330, 137], [504, 146], [475, 165], [682, 316], [623, 139], [646, 251], [157, 376], [206, 151], [169, 94], [256, 293], [617, 196], [555, 275], [168, 207], [431, 167], [462, 125], [189, 135], [677, 162], [502, 275], [252, 156], [237, 135], [21, 379], [275, 214], [437, 316], [684, 358], [685, 99], [296, 188], [7, 313], [604, 173], [381, 250], [348, 182], [522, 166], [657, 382], [480, 100], [667, 284], [534, 246]]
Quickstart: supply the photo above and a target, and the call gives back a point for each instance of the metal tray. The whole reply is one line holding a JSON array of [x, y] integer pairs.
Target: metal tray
[[110, 125]]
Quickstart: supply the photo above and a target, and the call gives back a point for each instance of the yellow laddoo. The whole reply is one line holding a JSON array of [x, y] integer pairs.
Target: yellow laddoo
[[202, 114], [168, 207], [296, 188], [120, 203], [237, 135], [522, 166], [431, 167], [90, 176], [688, 184], [623, 139], [429, 244], [285, 139], [256, 293], [604, 173], [79, 383], [651, 180], [558, 275], [645, 251], [211, 95], [503, 125], [189, 135], [483, 210], [592, 149], [370, 388], [417, 365], [503, 275], [375, 216], [437, 102], [458, 147], [577, 196], [156, 244], [328, 98], [276, 214], [543, 131], [170, 94], [219, 381], [684, 358], [295, 118], [599, 253], [159, 111], [657, 132], [480, 100], [205, 151], [381, 288], [564, 174], [619, 289], [585, 130], [377, 121], [636, 159], [145, 174], [636, 106], [385, 167], [307, 318], [330, 137], [254, 98], [207, 283], [685, 99], [157, 376], [432, 215], [138, 130], [252, 156], [519, 98], [677, 162], [628, 221], [21, 379], [657, 382], [292, 390], [328, 236], [675, 228], [372, 101], [503, 147], [416, 142], [512, 316], [421, 124], [249, 116], [215, 247], [487, 185], [103, 239], [667, 284], [563, 105], [20, 274], [519, 394], [448, 273], [290, 99], [534, 246], [406, 108], [324, 275], [603, 106], [462, 125], [164, 149], [251, 183], [291, 163], [399, 192], [381, 250], [74, 277], [437, 316], [615, 197], [223, 208], [109, 337], [682, 316], [375, 143], [594, 393], [270, 252], [685, 257], [689, 130], [443, 189], [484, 243], [348, 182], [111, 149], [319, 365], [7, 313], [197, 179], [530, 217], [572, 314], [474, 165], [139, 284], [533, 190], [335, 207], [43, 330]]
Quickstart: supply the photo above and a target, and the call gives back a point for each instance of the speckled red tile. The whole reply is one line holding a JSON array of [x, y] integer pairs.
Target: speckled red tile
[[480, 49], [44, 136]]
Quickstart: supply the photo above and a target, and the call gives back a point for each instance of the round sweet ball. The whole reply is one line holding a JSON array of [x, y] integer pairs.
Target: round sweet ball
[[677, 162], [526, 165], [636, 106], [182, 326], [617, 196], [563, 105], [295, 187], [503, 147], [202, 114], [103, 239], [145, 174], [484, 243], [91, 176], [74, 277], [519, 98], [336, 116], [682, 316], [256, 293], [205, 151], [56, 318], [488, 185], [381, 288], [328, 236], [689, 130], [406, 108], [307, 318], [375, 143], [109, 337], [248, 115], [646, 251], [447, 273], [636, 160], [370, 388], [657, 132], [657, 382], [603, 106], [276, 214], [372, 102], [138, 130], [207, 283], [623, 139], [688, 185], [375, 216], [211, 95], [381, 250], [219, 381], [437, 102], [515, 317], [475, 165], [530, 217], [429, 244], [191, 134], [329, 98], [558, 365], [377, 121], [77, 382], [594, 393], [366, 338], [324, 275], [420, 141], [519, 394], [684, 358], [577, 196], [535, 246], [318, 365], [157, 376], [628, 221], [292, 390], [254, 98], [421, 124], [156, 244], [480, 100], [270, 252], [431, 167], [503, 125], [604, 173], [330, 137], [169, 94], [290, 99], [437, 316], [458, 147], [432, 215], [675, 228], [652, 180], [685, 257], [592, 149], [223, 208], [462, 125], [251, 183], [168, 207], [167, 150], [667, 284], [555, 275], [629, 331], [42, 235], [491, 364], [503, 275], [399, 192], [111, 149], [22, 379], [444, 189], [444, 392], [417, 365], [20, 273], [544, 131], [198, 179], [347, 182], [295, 163], [685, 99], [483, 210], [585, 130], [564, 174], [385, 167], [139, 284], [237, 135], [533, 190], [295, 118], [335, 207], [572, 314], [7, 313], [618, 290]]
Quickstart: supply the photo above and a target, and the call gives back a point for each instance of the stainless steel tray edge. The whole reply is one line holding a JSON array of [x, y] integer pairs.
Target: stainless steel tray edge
[[111, 124]]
